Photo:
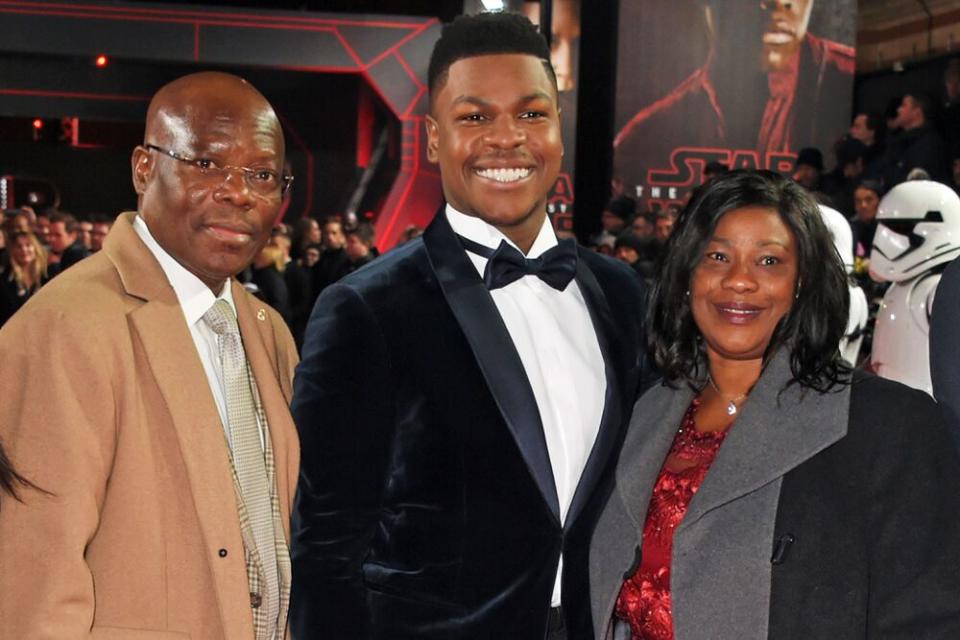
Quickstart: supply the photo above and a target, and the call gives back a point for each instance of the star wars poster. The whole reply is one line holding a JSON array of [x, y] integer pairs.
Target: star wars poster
[[746, 83], [565, 55]]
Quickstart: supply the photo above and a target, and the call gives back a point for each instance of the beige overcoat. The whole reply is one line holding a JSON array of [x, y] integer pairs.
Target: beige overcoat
[[104, 403]]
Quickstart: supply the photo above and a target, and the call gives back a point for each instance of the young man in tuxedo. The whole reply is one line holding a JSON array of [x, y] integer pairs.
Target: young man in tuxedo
[[462, 400]]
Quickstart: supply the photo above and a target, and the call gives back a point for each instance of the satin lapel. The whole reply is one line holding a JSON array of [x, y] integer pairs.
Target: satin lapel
[[478, 317], [260, 346], [774, 433], [653, 425], [616, 373]]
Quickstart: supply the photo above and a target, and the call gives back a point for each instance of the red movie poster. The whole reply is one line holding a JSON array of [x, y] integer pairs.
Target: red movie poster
[[746, 83], [564, 55]]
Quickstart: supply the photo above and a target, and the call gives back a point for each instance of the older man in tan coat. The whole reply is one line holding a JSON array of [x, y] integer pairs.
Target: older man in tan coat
[[168, 469]]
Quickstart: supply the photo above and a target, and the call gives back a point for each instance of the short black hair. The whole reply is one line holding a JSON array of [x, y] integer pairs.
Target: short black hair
[[101, 218], [875, 121], [486, 34], [811, 157], [873, 185], [622, 206], [817, 320], [333, 219], [627, 238], [364, 231], [848, 151], [69, 222], [715, 168], [926, 103]]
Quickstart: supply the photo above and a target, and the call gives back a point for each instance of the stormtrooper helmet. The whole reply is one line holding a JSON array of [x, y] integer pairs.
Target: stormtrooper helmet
[[918, 229], [839, 228]]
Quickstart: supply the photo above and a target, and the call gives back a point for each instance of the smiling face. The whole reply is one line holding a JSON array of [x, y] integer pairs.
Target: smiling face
[[213, 227], [494, 130], [744, 284], [23, 252]]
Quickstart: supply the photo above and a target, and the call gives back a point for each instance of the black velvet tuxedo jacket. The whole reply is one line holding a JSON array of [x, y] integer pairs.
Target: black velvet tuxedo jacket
[[427, 506]]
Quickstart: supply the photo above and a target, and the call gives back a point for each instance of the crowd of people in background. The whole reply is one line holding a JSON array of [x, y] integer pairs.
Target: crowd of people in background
[[35, 247], [916, 137], [299, 262], [473, 441]]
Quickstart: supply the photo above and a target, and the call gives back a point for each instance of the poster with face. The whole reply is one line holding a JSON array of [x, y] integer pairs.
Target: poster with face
[[744, 83], [565, 57]]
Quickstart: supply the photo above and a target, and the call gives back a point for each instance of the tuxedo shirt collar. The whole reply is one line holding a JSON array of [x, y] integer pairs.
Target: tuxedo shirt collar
[[473, 228], [194, 296]]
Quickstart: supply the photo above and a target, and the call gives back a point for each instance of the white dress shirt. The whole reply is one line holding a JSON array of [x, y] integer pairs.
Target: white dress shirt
[[557, 343], [195, 299]]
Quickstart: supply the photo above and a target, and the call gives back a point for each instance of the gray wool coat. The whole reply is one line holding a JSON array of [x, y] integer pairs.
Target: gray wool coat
[[824, 515]]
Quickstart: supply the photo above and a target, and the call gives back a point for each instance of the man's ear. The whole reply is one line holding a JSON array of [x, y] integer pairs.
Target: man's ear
[[141, 165], [433, 139]]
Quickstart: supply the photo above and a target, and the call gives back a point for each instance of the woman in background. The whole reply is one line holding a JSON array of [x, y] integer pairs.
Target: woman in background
[[26, 272], [765, 490]]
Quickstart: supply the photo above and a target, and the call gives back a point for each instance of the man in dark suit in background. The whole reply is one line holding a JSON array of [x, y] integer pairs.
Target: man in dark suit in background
[[461, 401], [66, 249]]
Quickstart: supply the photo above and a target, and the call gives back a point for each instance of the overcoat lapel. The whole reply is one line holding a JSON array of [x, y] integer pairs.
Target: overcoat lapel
[[777, 430], [480, 321], [175, 366], [655, 421], [615, 368], [656, 417]]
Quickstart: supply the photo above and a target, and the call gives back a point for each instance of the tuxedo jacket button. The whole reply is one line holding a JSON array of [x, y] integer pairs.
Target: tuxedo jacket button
[[222, 553]]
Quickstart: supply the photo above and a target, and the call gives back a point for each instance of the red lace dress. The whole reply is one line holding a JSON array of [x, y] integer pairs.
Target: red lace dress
[[644, 601]]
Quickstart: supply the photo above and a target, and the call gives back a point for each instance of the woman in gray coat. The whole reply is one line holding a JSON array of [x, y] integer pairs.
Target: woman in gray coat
[[764, 490]]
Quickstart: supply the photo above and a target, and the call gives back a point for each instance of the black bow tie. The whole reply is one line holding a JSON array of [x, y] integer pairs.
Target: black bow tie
[[506, 264]]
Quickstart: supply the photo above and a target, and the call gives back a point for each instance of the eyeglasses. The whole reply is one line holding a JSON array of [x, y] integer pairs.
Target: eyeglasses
[[262, 181]]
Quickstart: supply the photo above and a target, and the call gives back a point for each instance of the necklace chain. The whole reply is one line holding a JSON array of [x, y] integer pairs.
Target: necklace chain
[[731, 402]]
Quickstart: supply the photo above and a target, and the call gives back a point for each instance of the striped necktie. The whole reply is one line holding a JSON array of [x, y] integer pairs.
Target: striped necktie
[[248, 456]]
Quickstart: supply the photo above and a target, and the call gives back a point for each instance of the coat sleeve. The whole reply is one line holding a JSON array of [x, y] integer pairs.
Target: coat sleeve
[[945, 348], [343, 408], [57, 420], [914, 525]]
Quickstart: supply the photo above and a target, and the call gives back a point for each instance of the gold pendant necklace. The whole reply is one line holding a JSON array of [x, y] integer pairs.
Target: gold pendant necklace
[[731, 403]]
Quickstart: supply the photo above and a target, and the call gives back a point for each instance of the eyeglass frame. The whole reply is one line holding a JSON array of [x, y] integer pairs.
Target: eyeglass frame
[[286, 179]]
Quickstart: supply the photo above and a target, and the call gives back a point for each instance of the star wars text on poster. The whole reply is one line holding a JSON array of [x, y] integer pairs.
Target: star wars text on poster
[[664, 186]]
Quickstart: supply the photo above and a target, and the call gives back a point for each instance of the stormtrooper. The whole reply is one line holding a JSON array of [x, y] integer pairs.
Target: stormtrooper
[[859, 310], [918, 234]]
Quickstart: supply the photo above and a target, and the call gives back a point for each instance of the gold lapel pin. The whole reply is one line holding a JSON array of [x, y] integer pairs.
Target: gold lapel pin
[[262, 315]]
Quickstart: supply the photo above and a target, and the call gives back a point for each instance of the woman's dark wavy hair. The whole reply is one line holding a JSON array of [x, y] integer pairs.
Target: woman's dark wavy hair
[[10, 480], [817, 320]]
